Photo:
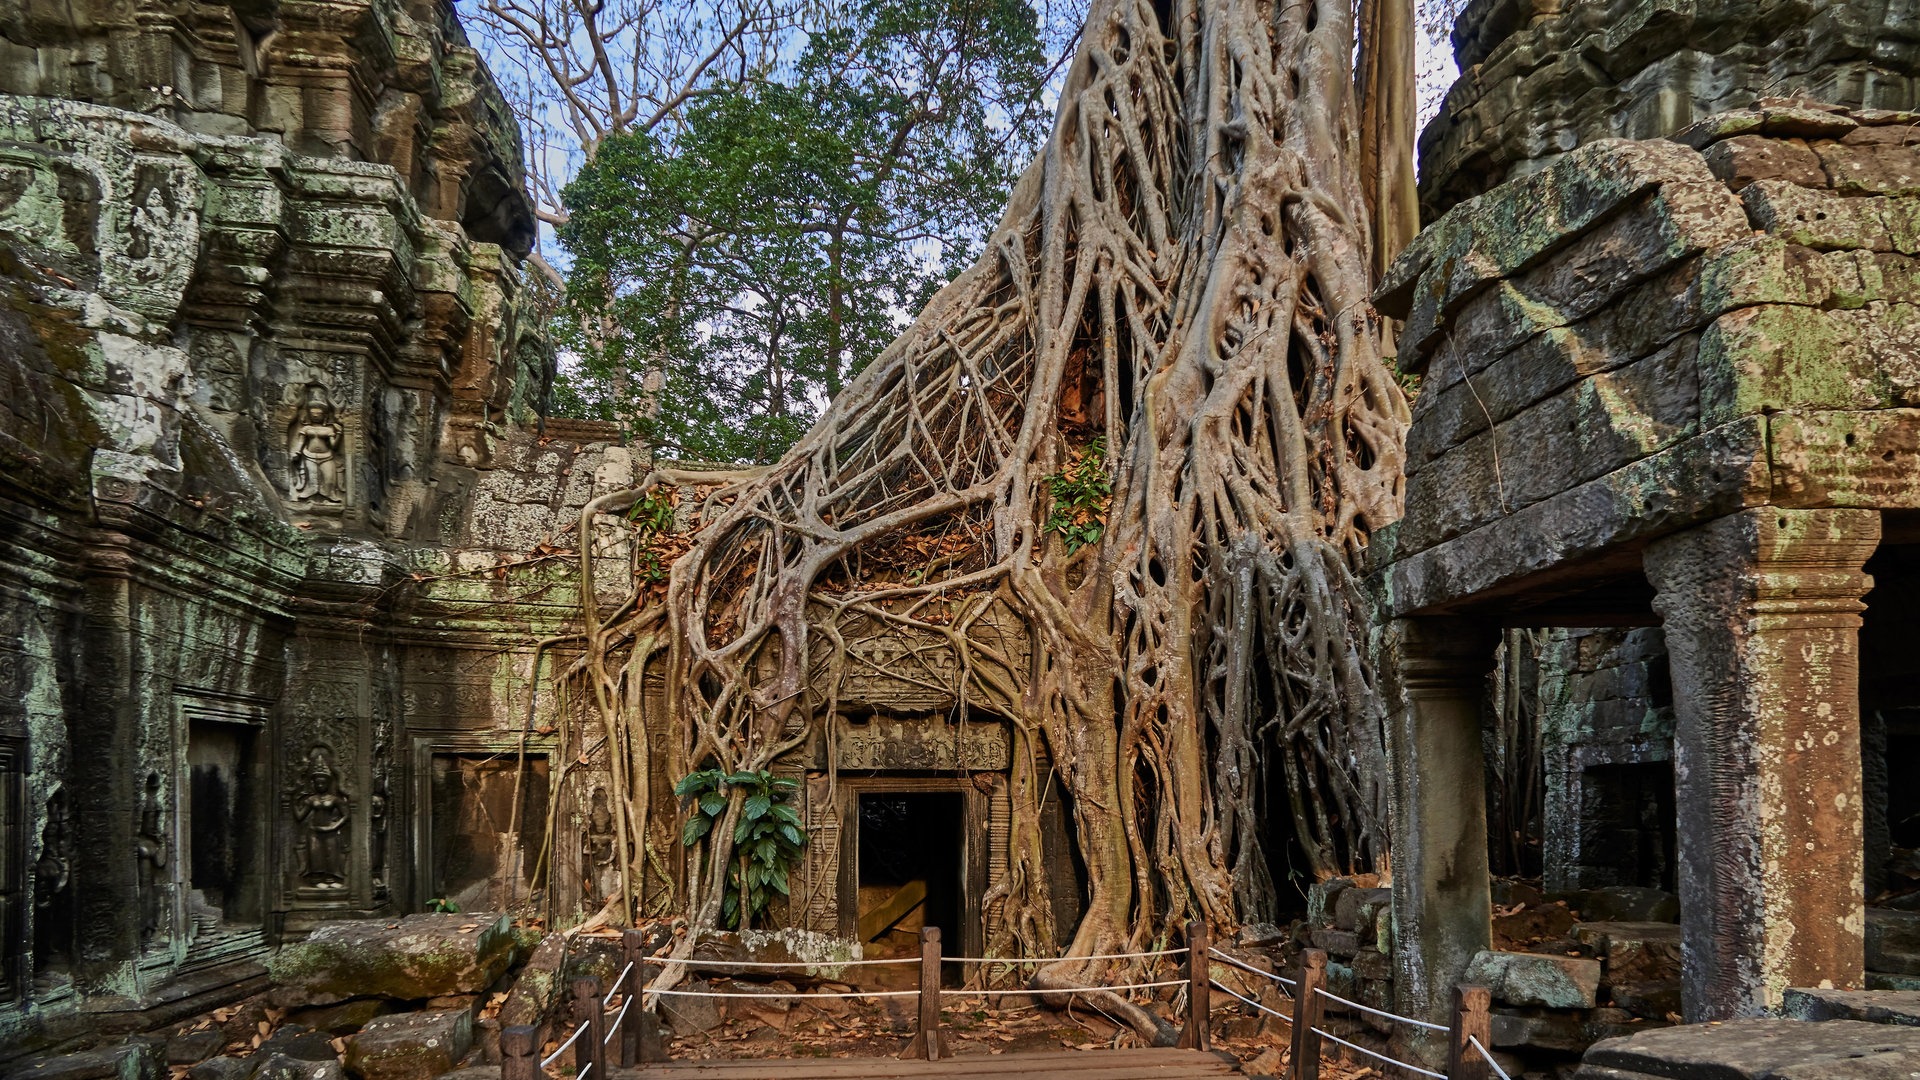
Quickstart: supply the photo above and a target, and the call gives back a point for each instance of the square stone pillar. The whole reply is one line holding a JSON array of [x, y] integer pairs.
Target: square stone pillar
[[1762, 616], [1442, 909]]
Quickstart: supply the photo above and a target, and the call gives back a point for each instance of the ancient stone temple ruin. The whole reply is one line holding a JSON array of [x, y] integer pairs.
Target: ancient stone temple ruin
[[267, 377], [1668, 340]]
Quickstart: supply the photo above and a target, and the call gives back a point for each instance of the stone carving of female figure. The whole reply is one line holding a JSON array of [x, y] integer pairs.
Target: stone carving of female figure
[[324, 811], [150, 860], [314, 450]]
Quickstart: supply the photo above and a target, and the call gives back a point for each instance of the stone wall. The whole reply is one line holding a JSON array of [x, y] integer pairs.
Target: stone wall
[[1541, 77], [271, 495]]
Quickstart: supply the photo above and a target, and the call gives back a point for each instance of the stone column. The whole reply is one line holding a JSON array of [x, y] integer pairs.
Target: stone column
[[1442, 911], [1762, 616]]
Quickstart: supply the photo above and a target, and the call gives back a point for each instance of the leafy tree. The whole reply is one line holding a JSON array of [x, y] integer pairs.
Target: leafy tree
[[752, 260]]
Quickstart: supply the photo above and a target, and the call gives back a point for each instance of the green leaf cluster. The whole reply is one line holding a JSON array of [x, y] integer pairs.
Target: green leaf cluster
[[1081, 491], [730, 275], [652, 517], [767, 835]]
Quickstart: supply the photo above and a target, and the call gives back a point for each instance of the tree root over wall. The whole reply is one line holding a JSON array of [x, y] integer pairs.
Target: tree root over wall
[[1180, 284]]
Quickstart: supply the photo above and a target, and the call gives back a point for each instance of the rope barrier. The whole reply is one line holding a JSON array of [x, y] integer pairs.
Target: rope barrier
[[1182, 951], [621, 979], [795, 994], [1379, 1056], [1474, 1040], [555, 1056], [691, 961], [1382, 1013], [1250, 1001], [1218, 955], [618, 1020], [582, 1074]]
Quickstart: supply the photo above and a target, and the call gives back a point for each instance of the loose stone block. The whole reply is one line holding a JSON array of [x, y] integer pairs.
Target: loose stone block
[[1556, 982], [419, 957], [410, 1046], [1760, 1049], [1900, 1007], [1893, 941]]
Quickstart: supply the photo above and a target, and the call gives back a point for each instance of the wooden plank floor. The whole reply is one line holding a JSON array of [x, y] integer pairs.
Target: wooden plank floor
[[1143, 1064]]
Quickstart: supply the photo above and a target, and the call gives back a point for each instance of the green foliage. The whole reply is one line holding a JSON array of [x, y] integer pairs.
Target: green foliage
[[731, 275], [442, 906], [1080, 493], [652, 517], [767, 836]]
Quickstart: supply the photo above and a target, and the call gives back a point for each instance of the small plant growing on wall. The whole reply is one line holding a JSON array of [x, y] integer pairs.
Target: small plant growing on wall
[[767, 834], [1081, 491]]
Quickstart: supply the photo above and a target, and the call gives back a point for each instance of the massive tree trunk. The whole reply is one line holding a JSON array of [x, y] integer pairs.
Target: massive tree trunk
[[1176, 299]]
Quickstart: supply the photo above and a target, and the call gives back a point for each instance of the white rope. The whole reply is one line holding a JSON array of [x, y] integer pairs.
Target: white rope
[[571, 1039], [582, 1074], [621, 979], [1182, 951], [618, 1020], [699, 962], [1475, 1041], [1218, 955], [1382, 1013], [1250, 1001], [796, 994], [1064, 989], [1379, 1056]]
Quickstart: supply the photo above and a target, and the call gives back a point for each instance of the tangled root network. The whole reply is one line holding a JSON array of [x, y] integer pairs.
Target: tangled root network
[[1175, 305]]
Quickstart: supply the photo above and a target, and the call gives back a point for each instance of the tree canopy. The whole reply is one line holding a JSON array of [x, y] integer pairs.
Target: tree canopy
[[730, 276]]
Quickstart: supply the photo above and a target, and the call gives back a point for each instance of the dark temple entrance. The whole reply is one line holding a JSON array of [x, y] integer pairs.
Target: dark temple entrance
[[919, 860]]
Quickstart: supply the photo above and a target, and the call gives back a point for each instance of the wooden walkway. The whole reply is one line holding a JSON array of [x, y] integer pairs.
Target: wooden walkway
[[1147, 1064]]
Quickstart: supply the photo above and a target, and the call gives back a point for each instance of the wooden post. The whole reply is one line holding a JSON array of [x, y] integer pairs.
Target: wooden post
[[633, 944], [1195, 1035], [1472, 1017], [520, 1053], [928, 1043], [1306, 1016], [590, 1008]]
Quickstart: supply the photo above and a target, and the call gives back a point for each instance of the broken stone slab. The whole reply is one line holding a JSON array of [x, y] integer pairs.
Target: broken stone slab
[[1259, 935], [812, 955], [537, 988], [1901, 1007], [421, 956], [1560, 1031], [287, 1067], [1769, 1049], [194, 1047], [137, 1058], [298, 1041], [1893, 941], [688, 1016], [1341, 943], [411, 1046], [1322, 899], [222, 1068], [1556, 982]]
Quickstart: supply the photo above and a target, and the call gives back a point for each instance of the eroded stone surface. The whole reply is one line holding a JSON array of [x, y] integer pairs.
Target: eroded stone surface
[[1556, 982], [417, 957], [1758, 1050], [410, 1046]]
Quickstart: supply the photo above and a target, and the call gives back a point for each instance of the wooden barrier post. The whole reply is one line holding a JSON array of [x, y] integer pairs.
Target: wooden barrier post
[[1472, 1018], [1306, 1016], [590, 1008], [520, 1053], [634, 945], [928, 1043], [1195, 1035]]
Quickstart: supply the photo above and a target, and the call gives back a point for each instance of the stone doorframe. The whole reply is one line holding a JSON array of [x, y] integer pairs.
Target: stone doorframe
[[1761, 610], [968, 939], [237, 711], [418, 813]]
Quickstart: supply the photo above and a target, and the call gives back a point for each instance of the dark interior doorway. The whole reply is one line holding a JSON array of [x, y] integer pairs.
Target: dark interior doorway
[[477, 860], [912, 844], [219, 830]]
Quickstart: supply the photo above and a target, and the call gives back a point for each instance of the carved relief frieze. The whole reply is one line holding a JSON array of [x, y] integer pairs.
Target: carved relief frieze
[[321, 810], [887, 743]]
